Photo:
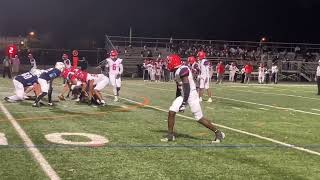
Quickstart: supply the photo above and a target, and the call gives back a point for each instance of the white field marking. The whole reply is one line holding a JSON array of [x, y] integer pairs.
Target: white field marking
[[264, 109], [248, 102], [288, 95], [237, 130], [210, 108], [315, 109], [44, 164], [3, 140], [237, 108], [95, 140]]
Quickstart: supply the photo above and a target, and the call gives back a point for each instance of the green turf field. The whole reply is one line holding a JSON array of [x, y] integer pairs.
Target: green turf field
[[262, 122]]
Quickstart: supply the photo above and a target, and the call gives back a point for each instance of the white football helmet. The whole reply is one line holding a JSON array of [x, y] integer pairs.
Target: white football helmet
[[60, 66], [36, 72]]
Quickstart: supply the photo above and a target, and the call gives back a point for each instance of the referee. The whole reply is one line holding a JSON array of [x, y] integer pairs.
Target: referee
[[317, 78]]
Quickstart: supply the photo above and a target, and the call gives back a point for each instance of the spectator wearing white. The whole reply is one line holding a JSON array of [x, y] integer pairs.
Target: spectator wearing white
[[232, 72], [149, 67], [262, 75], [66, 61], [15, 64], [317, 78], [274, 73], [32, 61]]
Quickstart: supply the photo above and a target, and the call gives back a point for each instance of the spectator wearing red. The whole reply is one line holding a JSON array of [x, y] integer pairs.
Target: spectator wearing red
[[220, 72], [248, 68]]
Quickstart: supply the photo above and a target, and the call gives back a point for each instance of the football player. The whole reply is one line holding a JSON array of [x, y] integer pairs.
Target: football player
[[195, 69], [204, 75], [23, 84], [45, 83], [186, 95], [115, 71], [96, 83]]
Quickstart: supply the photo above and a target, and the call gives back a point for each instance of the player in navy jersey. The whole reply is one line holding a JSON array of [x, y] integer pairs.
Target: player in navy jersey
[[45, 82], [21, 83]]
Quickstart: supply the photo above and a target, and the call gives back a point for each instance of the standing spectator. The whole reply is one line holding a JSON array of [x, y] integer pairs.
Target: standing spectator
[[211, 71], [15, 64], [243, 74], [220, 71], [274, 73], [145, 70], [248, 70], [152, 72], [232, 72], [261, 76], [317, 78], [32, 61], [6, 67]]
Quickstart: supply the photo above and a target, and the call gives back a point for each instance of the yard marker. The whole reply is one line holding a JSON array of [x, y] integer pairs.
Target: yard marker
[[45, 166]]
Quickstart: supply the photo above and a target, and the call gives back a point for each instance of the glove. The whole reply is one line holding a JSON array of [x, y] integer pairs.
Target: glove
[[183, 107]]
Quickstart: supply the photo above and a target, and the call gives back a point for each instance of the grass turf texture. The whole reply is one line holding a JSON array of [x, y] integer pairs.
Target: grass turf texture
[[135, 150]]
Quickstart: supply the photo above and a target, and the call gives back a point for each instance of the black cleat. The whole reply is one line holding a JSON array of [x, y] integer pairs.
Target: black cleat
[[219, 137], [168, 138]]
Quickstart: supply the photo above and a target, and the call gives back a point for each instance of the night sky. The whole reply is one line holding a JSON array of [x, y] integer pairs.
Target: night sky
[[64, 20]]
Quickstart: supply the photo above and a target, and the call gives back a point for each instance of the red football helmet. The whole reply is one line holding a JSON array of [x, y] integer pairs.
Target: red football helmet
[[191, 60], [201, 55], [174, 62], [113, 54]]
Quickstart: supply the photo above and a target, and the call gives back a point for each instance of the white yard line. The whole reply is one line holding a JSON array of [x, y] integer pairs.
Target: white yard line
[[263, 109], [210, 108], [236, 108], [239, 131], [44, 164], [288, 95], [248, 102], [316, 110]]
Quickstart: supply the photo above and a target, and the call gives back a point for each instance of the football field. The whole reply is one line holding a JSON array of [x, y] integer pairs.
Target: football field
[[272, 132]]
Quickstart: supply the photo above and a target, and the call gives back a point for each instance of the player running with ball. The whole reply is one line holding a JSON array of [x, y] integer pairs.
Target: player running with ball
[[186, 95]]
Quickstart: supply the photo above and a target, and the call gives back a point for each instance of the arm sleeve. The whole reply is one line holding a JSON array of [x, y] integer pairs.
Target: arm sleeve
[[186, 91], [121, 68]]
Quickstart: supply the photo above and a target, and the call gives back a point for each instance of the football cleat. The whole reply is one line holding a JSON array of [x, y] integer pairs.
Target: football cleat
[[168, 138], [50, 104], [9, 100], [219, 137], [36, 104], [103, 103], [116, 99], [210, 100], [61, 98]]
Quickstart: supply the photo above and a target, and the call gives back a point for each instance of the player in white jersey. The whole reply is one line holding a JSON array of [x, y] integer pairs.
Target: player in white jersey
[[232, 72], [261, 76], [115, 71], [195, 69], [186, 94], [96, 83], [204, 75]]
